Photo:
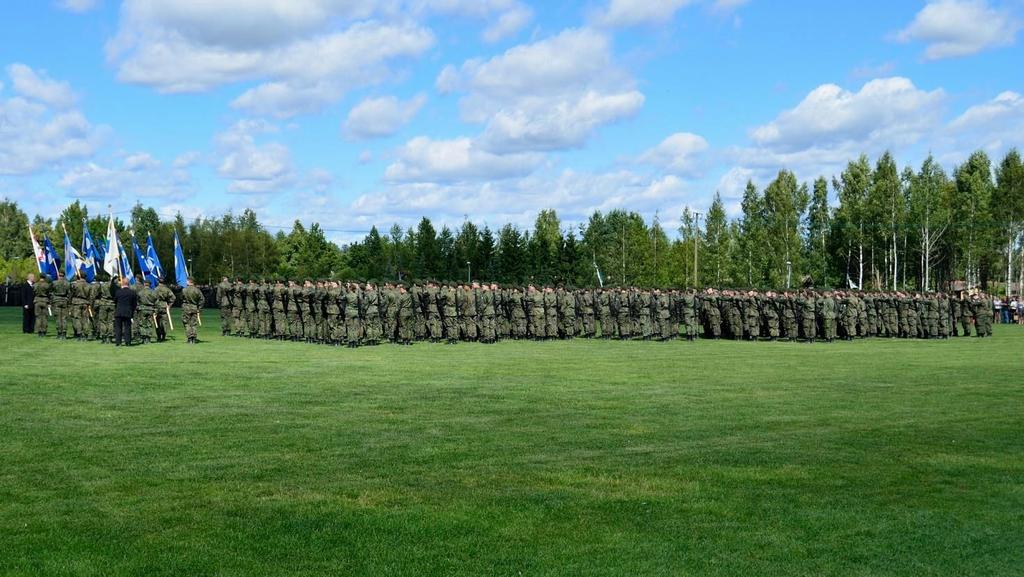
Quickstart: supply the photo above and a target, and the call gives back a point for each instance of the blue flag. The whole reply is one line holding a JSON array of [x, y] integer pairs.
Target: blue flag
[[89, 255], [145, 265], [72, 260], [158, 269], [180, 270], [51, 264], [101, 250], [126, 266]]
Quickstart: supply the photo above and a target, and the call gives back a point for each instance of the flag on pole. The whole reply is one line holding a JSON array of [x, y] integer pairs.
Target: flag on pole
[[145, 265], [72, 260], [126, 265], [101, 251], [158, 269], [180, 270], [37, 251], [52, 259], [112, 258], [89, 255]]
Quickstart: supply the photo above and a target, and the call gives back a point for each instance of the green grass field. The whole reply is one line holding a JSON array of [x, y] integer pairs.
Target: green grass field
[[246, 458]]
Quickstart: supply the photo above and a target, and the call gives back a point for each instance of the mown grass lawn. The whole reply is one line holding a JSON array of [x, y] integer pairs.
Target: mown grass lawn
[[245, 458]]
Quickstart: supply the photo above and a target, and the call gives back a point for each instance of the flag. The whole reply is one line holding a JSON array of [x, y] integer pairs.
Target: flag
[[126, 266], [52, 260], [158, 269], [112, 259], [72, 260], [146, 266], [180, 270], [37, 251], [101, 250], [89, 255]]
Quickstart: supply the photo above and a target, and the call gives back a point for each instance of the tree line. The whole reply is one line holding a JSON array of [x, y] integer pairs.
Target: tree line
[[873, 226]]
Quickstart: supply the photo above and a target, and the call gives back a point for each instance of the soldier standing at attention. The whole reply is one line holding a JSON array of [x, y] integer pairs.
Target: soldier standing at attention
[[827, 306], [191, 303], [224, 304], [164, 302], [59, 302], [405, 318], [147, 310], [80, 308], [41, 305], [105, 311], [807, 303]]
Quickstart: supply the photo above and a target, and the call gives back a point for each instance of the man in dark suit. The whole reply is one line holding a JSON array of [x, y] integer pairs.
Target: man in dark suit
[[125, 302], [28, 311]]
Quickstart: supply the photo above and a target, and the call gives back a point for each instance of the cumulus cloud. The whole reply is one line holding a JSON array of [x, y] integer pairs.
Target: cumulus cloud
[[887, 110], [635, 12], [301, 57], [423, 159], [379, 117], [679, 153], [250, 166], [40, 87], [507, 16], [548, 95], [831, 125], [139, 176], [996, 124], [954, 28], [39, 126]]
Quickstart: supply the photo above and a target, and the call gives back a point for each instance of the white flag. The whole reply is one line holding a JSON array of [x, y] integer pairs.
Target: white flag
[[112, 261]]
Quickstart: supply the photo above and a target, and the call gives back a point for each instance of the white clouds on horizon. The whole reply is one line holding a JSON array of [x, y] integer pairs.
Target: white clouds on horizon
[[954, 28]]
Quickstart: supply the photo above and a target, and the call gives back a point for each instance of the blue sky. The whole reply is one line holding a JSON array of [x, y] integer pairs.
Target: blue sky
[[354, 113]]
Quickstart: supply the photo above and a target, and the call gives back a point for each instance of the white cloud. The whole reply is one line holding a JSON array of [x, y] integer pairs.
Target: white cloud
[[832, 125], [508, 24], [78, 6], [679, 153], [379, 117], [635, 12], [425, 160], [139, 176], [995, 125], [253, 167], [891, 111], [574, 194], [507, 16], [954, 28], [304, 54], [186, 159], [549, 95], [1006, 107], [140, 161], [40, 87], [39, 128]]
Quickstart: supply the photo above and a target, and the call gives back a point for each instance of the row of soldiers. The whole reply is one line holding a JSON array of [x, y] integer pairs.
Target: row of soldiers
[[354, 314], [84, 310]]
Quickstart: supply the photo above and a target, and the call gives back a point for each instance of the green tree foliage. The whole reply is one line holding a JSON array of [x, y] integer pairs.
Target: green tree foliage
[[887, 229], [14, 239]]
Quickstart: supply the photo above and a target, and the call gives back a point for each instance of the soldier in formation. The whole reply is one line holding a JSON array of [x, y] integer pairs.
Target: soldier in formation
[[360, 314]]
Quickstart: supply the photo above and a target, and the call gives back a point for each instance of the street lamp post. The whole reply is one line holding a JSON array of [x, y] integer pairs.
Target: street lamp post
[[469, 272], [789, 272]]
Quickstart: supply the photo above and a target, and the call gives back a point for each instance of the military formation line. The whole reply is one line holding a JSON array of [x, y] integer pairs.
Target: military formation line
[[354, 314], [86, 311]]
